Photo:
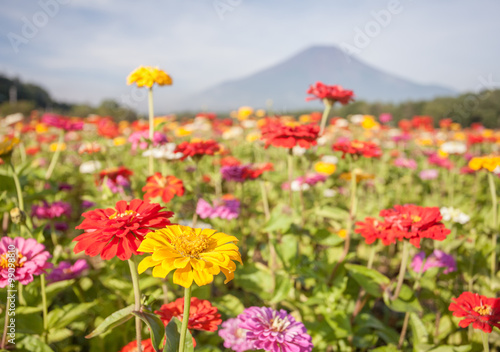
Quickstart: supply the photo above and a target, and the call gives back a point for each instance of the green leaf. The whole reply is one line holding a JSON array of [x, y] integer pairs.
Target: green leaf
[[419, 332], [283, 286], [465, 348], [333, 213], [54, 289], [371, 280], [173, 336], [60, 318], [287, 250], [155, 325], [34, 344], [406, 302], [59, 335], [388, 348], [117, 318], [340, 324], [230, 305]]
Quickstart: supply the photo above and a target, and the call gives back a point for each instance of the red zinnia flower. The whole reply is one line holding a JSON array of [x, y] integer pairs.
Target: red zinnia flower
[[289, 134], [106, 127], [32, 150], [366, 149], [202, 315], [414, 223], [481, 311], [331, 93], [372, 229], [254, 171], [147, 346], [119, 231], [197, 148], [165, 187], [229, 161], [114, 172]]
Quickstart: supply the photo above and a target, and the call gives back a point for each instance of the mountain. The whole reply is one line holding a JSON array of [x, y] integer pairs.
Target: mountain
[[286, 84]]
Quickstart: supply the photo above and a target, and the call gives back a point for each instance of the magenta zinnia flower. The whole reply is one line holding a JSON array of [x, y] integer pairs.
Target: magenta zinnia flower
[[51, 211], [66, 271], [234, 336], [140, 139], [26, 256], [406, 163], [275, 331], [438, 259], [62, 122], [429, 174]]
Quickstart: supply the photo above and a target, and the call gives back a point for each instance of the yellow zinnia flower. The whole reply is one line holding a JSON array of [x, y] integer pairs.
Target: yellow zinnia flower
[[244, 112], [7, 144], [53, 147], [490, 163], [324, 168], [181, 132], [147, 76], [194, 254]]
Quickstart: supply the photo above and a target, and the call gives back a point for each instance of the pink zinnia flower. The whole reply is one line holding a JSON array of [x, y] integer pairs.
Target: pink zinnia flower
[[26, 256], [62, 122], [429, 174], [226, 209], [66, 271], [385, 117], [139, 139], [234, 336], [406, 163], [275, 331]]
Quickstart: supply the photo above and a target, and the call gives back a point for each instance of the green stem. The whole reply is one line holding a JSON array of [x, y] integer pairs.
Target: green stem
[[137, 301], [55, 157], [402, 269], [265, 202], [373, 250], [151, 130], [494, 203], [403, 330], [486, 346], [290, 174], [326, 112], [19, 192], [185, 318], [44, 306]]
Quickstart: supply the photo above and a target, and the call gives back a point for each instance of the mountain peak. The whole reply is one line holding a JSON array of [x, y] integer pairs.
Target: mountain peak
[[286, 83]]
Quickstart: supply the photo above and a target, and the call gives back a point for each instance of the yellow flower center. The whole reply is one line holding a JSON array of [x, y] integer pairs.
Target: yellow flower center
[[121, 215], [18, 263], [189, 244], [279, 325], [483, 310], [416, 218]]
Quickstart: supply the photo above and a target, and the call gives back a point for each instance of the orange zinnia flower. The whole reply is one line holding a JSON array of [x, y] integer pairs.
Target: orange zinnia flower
[[165, 187]]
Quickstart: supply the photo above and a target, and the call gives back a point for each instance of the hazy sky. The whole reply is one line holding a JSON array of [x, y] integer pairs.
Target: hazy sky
[[82, 50]]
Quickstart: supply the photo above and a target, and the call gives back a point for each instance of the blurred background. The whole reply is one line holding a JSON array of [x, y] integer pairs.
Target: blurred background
[[74, 56]]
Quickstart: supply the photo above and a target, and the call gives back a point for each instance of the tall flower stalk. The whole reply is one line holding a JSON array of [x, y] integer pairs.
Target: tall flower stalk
[[56, 155], [147, 77], [137, 299], [185, 318], [494, 205]]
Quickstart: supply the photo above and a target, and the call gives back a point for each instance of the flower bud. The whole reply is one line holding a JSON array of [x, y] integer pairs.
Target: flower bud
[[18, 216]]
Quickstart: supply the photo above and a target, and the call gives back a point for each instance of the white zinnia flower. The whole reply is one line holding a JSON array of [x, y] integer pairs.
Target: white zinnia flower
[[454, 215], [89, 167]]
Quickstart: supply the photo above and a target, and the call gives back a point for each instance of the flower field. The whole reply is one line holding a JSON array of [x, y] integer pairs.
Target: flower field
[[270, 233]]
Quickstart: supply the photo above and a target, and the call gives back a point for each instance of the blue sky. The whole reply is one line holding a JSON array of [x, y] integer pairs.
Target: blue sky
[[86, 48]]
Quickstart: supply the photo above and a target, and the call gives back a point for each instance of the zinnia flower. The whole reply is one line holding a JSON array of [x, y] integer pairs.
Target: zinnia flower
[[67, 271], [140, 139], [275, 331], [438, 259], [357, 148], [7, 145], [147, 76], [483, 312], [490, 163], [415, 223], [62, 122], [289, 135], [197, 148], [28, 257], [147, 346], [51, 211], [116, 178], [330, 93], [235, 337], [194, 254], [454, 215], [227, 209], [165, 187], [406, 163], [429, 174], [119, 231], [202, 315]]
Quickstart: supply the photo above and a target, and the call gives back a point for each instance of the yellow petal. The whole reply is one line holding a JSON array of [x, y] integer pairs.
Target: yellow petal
[[229, 275], [146, 263], [184, 276], [202, 277], [181, 262]]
